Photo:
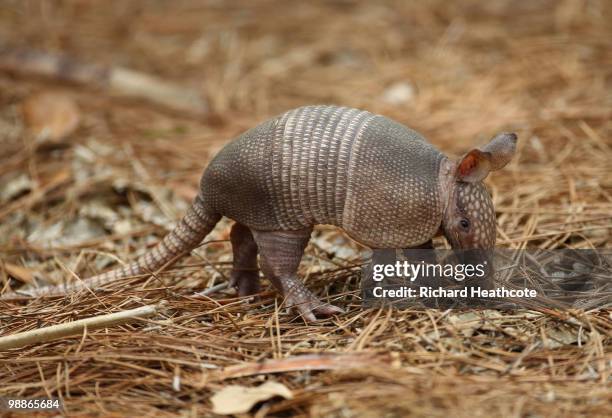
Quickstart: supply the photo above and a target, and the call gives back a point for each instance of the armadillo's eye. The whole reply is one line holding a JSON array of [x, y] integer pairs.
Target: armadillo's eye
[[465, 224]]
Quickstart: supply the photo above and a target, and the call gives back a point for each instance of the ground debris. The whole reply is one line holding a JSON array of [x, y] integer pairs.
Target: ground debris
[[236, 399]]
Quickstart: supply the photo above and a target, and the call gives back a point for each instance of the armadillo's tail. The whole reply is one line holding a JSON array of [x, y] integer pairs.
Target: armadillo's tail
[[191, 230]]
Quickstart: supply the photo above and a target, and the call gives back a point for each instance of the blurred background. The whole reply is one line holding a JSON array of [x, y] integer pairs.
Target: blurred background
[[458, 72]]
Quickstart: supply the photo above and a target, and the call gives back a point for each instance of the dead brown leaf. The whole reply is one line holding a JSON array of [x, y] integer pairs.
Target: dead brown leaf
[[237, 399], [19, 272], [50, 115]]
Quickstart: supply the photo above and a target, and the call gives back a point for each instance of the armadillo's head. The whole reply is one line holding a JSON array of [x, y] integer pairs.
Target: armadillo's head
[[469, 218]]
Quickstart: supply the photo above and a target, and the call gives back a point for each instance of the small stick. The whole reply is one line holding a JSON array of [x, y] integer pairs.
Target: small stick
[[213, 289], [115, 80], [76, 327]]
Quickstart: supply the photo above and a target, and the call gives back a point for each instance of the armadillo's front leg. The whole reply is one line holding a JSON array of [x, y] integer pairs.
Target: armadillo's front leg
[[280, 254], [245, 273]]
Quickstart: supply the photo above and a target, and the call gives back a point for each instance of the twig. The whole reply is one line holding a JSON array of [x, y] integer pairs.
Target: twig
[[116, 80], [75, 327], [213, 289]]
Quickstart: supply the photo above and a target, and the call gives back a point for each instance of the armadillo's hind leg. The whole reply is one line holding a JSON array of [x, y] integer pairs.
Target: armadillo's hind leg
[[280, 254], [245, 273]]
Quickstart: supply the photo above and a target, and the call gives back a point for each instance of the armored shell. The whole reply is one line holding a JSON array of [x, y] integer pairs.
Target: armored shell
[[371, 176]]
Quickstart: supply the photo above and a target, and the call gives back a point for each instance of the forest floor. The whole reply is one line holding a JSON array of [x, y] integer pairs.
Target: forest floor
[[104, 178]]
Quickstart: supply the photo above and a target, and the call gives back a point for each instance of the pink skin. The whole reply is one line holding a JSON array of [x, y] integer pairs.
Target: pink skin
[[469, 219], [469, 216]]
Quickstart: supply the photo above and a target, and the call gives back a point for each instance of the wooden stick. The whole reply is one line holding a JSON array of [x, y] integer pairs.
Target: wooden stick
[[76, 327], [115, 80], [213, 289]]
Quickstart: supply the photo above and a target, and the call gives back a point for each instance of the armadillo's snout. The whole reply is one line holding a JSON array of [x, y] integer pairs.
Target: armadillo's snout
[[479, 263]]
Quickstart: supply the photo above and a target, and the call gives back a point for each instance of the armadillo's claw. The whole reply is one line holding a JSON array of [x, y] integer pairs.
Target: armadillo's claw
[[327, 309], [307, 305], [315, 309], [246, 282]]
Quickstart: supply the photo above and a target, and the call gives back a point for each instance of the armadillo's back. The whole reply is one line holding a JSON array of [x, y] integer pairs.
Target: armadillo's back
[[393, 198], [290, 172], [329, 165]]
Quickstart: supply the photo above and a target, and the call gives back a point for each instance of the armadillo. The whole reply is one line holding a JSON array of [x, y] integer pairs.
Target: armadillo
[[382, 183]]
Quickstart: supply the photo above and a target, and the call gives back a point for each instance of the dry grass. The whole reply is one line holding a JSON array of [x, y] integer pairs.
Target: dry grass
[[541, 68]]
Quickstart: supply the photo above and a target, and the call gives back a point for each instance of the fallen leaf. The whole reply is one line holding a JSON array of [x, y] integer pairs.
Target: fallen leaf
[[50, 116], [47, 185], [67, 232], [326, 361], [16, 187], [467, 323], [18, 272], [236, 399], [559, 337]]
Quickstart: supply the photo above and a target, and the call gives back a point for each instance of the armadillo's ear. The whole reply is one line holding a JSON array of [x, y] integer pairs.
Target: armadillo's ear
[[501, 149], [473, 167]]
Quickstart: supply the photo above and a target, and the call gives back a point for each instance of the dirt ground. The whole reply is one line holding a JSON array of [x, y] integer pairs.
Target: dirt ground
[[97, 184]]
